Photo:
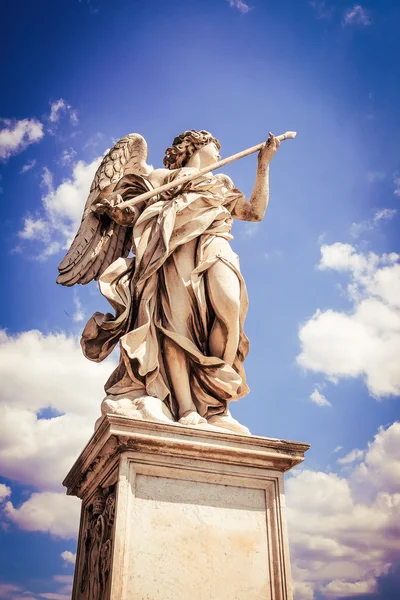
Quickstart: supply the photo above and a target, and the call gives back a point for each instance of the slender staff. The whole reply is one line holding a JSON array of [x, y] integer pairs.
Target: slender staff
[[289, 135]]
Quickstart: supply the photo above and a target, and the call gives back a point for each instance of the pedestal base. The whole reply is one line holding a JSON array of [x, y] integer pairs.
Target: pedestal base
[[177, 513]]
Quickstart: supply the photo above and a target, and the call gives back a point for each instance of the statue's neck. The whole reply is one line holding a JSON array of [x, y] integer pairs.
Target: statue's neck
[[196, 162]]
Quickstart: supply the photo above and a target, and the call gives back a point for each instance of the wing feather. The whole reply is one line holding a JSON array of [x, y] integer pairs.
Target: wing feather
[[99, 240]]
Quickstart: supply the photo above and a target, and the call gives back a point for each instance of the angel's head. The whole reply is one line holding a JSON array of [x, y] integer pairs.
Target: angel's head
[[187, 144]]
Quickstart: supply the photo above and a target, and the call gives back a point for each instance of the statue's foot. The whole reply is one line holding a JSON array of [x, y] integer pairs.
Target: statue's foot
[[145, 408], [191, 417], [229, 423]]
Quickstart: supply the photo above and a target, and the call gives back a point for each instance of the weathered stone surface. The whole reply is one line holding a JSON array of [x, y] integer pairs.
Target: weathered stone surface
[[173, 512]]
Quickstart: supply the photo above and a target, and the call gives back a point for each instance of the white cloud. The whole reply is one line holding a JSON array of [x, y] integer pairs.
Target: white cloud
[[59, 108], [380, 469], [49, 512], [365, 342], [385, 214], [35, 229], [319, 399], [5, 491], [351, 457], [29, 165], [68, 557], [239, 5], [337, 449], [38, 372], [7, 588], [62, 209], [344, 531], [356, 16], [18, 135], [339, 589]]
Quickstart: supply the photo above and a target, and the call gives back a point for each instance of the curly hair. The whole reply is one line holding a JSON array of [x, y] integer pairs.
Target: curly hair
[[185, 145]]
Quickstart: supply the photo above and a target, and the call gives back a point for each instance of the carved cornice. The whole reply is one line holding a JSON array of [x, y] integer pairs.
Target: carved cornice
[[118, 434]]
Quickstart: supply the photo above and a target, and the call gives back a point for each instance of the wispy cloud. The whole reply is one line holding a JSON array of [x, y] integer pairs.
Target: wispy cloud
[[375, 176], [239, 5], [351, 457], [385, 214], [319, 399], [273, 254], [321, 8], [8, 588], [79, 314], [18, 135], [68, 157], [249, 230], [60, 107], [357, 16], [396, 182], [29, 165]]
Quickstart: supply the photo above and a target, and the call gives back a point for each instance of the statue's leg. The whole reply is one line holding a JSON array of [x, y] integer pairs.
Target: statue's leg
[[178, 371], [178, 272], [224, 290]]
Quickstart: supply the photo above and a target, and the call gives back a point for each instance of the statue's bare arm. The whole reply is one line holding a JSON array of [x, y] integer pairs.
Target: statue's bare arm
[[254, 209]]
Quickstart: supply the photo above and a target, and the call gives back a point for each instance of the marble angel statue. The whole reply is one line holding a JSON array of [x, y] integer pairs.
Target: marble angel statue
[[167, 268]]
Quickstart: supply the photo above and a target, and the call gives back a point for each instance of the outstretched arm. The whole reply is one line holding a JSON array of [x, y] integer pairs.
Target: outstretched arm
[[254, 209]]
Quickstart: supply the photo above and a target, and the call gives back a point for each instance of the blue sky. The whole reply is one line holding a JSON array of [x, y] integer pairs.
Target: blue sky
[[322, 269]]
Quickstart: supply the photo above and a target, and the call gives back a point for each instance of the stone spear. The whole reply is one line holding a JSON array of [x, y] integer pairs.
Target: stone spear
[[289, 135]]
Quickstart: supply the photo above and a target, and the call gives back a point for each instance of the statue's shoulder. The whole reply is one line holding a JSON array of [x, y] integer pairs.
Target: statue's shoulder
[[225, 180], [160, 176]]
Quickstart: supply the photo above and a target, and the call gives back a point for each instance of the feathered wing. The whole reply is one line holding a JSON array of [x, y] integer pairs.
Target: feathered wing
[[99, 240]]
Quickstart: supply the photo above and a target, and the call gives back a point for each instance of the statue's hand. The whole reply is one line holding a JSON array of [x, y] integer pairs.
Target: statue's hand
[[110, 207], [268, 150]]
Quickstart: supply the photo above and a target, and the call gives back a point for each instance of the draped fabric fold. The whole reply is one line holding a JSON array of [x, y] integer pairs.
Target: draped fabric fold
[[195, 218]]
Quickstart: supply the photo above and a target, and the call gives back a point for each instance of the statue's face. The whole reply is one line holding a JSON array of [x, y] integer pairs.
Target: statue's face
[[208, 154]]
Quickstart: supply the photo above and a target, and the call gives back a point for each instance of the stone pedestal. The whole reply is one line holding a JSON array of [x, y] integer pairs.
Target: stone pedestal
[[178, 513]]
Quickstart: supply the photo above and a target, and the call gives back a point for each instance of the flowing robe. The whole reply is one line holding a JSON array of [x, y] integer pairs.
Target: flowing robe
[[196, 218]]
